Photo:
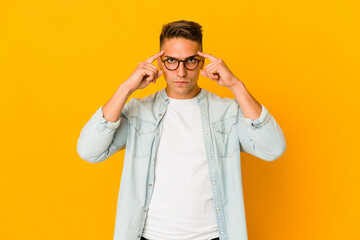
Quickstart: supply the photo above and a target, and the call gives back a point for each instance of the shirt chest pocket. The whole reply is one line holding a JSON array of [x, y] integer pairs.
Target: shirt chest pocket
[[140, 138], [226, 137]]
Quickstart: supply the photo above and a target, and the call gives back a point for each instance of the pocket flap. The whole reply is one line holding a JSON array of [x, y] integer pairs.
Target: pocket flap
[[142, 127], [225, 126]]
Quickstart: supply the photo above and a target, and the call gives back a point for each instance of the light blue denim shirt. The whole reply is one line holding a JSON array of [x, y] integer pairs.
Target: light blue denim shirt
[[226, 133]]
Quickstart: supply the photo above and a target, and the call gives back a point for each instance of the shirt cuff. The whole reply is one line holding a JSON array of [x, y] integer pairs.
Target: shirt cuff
[[103, 122], [262, 120]]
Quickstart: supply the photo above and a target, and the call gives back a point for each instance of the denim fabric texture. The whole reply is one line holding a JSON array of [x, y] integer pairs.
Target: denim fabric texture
[[226, 133]]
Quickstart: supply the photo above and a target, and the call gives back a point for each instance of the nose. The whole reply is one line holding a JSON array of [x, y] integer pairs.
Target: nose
[[181, 71]]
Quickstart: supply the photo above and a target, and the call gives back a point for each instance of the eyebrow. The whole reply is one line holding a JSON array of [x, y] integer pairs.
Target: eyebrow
[[185, 58]]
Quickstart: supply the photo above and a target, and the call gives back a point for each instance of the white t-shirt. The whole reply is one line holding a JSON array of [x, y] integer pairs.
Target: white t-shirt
[[181, 206]]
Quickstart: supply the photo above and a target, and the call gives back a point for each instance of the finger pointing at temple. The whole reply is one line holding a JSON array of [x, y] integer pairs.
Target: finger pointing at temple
[[208, 56], [153, 57]]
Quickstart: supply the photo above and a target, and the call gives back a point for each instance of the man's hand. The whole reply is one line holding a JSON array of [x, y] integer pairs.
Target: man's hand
[[218, 71], [144, 74]]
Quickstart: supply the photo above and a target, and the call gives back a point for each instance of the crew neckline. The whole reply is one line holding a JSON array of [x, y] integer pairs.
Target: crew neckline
[[186, 100], [183, 101]]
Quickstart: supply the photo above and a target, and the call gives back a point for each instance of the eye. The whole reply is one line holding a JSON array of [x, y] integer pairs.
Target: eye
[[191, 60], [170, 60]]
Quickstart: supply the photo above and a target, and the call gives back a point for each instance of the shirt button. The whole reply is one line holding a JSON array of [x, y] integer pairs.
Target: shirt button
[[167, 100], [144, 210], [214, 182], [150, 184], [217, 208], [210, 158], [206, 133], [225, 129], [160, 114], [140, 131], [222, 233], [204, 113]]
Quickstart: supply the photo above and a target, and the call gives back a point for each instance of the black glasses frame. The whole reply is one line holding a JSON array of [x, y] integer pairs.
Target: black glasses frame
[[179, 61]]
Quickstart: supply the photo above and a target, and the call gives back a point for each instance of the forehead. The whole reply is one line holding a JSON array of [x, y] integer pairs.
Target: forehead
[[180, 47]]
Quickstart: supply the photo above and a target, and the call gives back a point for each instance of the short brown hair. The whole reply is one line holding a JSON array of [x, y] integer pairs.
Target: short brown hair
[[182, 29]]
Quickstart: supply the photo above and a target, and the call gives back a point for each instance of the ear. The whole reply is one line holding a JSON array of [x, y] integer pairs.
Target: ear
[[159, 63], [202, 63]]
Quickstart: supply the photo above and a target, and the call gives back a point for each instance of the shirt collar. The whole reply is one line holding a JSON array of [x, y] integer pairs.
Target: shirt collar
[[165, 97]]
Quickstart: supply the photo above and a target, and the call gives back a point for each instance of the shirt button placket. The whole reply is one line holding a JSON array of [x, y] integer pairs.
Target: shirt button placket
[[210, 158]]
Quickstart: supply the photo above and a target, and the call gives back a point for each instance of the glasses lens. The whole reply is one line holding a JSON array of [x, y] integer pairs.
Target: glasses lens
[[171, 64], [191, 63]]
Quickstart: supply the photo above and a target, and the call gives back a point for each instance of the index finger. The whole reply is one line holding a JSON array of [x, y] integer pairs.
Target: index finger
[[209, 56], [153, 57]]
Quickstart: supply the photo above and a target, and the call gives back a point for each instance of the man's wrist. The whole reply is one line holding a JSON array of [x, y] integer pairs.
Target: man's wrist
[[125, 89], [237, 85]]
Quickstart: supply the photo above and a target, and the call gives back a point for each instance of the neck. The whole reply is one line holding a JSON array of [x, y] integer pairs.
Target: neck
[[193, 93]]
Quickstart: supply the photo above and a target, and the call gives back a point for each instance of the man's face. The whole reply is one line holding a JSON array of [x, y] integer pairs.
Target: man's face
[[181, 83]]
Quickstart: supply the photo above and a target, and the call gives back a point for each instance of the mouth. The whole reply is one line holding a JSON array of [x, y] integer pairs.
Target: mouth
[[181, 82]]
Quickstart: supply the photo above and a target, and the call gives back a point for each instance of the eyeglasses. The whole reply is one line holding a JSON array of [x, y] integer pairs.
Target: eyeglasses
[[190, 63]]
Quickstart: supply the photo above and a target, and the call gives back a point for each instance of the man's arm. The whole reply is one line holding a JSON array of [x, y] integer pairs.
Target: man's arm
[[143, 75], [250, 107], [106, 132], [114, 106], [259, 133], [103, 135]]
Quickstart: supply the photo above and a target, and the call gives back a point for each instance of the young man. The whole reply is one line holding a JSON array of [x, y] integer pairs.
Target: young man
[[181, 178]]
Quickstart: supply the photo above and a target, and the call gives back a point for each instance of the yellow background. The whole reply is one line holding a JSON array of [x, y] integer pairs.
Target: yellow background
[[61, 60]]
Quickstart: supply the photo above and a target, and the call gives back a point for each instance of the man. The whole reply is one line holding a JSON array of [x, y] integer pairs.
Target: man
[[181, 177]]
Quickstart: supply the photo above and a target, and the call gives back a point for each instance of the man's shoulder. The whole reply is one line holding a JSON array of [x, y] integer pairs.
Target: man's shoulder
[[215, 99], [141, 106], [222, 107], [144, 100]]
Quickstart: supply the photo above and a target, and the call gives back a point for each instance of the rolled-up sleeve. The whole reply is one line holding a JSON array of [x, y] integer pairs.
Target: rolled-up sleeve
[[99, 138], [261, 137]]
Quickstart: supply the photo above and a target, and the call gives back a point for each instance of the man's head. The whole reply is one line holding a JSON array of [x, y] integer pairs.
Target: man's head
[[181, 40]]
